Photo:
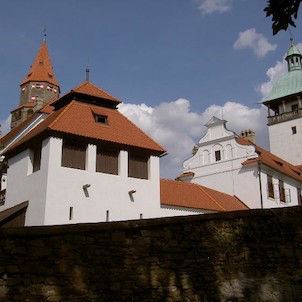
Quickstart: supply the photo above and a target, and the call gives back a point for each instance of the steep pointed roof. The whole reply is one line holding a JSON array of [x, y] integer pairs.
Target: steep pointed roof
[[41, 69]]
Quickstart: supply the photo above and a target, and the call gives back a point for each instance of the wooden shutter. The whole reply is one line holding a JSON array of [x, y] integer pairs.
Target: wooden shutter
[[138, 166], [36, 157], [107, 161], [270, 186], [281, 191], [74, 155]]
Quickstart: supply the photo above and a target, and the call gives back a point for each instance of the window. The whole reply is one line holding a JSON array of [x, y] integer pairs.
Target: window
[[74, 155], [270, 187], [217, 155], [70, 213], [101, 119], [282, 191], [36, 157], [294, 130], [107, 161], [294, 107], [299, 196], [138, 166]]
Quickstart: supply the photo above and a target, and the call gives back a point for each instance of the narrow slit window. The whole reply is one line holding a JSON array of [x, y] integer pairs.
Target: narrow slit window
[[294, 130], [71, 213], [107, 215]]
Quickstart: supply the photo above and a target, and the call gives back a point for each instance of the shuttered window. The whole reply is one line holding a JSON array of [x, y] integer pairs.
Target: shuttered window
[[138, 166], [270, 187], [74, 155], [281, 191], [107, 160], [36, 157]]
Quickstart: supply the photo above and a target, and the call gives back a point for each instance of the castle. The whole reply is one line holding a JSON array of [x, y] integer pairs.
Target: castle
[[75, 158]]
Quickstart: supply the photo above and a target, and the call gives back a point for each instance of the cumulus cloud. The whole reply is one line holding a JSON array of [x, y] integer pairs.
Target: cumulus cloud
[[5, 125], [257, 42], [213, 6], [273, 74], [178, 129]]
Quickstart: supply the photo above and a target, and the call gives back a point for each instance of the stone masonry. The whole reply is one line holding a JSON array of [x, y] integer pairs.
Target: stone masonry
[[253, 255]]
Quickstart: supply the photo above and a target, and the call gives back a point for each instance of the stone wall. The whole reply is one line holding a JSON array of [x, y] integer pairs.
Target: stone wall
[[241, 256]]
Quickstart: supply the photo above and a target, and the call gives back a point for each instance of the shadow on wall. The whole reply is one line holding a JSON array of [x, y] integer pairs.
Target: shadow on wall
[[240, 256]]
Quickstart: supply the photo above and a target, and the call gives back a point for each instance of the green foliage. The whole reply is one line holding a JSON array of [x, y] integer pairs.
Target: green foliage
[[282, 12]]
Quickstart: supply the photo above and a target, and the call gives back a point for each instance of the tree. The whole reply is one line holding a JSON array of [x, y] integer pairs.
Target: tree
[[282, 12]]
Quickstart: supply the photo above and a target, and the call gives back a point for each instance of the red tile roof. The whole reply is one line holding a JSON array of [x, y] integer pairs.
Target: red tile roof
[[93, 90], [190, 195], [78, 119], [41, 69], [26, 105], [269, 159]]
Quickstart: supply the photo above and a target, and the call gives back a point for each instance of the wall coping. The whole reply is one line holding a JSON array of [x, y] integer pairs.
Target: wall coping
[[38, 231]]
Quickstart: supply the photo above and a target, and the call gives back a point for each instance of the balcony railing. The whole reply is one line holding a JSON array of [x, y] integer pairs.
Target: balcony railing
[[2, 197], [287, 116]]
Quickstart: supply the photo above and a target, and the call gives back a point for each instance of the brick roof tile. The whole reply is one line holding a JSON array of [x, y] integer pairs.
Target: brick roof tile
[[190, 195]]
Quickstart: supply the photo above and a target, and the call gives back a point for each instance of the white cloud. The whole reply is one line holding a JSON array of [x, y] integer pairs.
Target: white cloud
[[178, 129], [212, 6], [257, 42], [273, 74], [5, 125]]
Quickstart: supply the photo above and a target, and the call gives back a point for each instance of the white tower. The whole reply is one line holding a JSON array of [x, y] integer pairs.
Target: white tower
[[285, 111]]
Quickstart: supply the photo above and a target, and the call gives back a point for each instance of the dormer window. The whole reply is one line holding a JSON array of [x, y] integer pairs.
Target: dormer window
[[101, 119]]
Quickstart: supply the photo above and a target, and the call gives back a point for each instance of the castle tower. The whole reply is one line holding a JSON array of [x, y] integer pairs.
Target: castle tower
[[37, 88], [284, 105]]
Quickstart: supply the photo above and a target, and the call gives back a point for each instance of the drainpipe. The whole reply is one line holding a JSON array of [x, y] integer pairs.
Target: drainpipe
[[260, 185]]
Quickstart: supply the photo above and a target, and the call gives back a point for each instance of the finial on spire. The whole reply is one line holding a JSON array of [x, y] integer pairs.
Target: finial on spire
[[44, 33], [87, 73]]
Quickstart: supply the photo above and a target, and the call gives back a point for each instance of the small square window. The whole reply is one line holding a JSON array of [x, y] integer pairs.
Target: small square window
[[294, 130], [217, 155], [101, 119]]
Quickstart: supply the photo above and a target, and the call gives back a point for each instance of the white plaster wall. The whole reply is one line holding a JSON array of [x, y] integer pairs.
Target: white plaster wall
[[290, 187], [23, 185], [285, 144], [106, 192], [227, 175]]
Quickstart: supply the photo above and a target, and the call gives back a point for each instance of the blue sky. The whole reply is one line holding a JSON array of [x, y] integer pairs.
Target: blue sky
[[174, 63]]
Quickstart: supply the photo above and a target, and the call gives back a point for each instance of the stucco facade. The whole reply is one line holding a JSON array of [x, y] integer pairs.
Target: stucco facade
[[227, 163]]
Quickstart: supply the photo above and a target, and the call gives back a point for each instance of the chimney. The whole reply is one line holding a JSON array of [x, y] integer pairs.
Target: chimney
[[249, 135]]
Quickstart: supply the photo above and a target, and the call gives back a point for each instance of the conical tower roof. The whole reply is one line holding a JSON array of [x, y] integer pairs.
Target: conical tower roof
[[41, 69]]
